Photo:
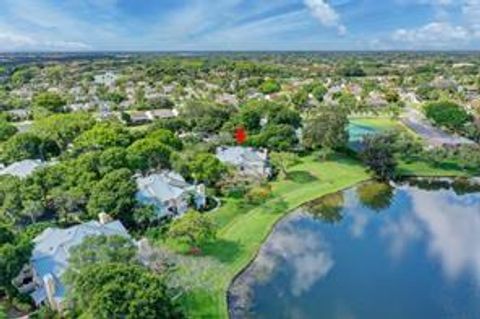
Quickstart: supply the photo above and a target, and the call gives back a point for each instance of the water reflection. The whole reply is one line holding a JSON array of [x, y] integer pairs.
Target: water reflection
[[418, 258], [328, 208], [375, 195], [452, 228]]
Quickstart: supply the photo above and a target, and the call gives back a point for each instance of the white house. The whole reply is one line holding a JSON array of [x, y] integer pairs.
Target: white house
[[107, 79], [42, 277], [23, 168], [169, 193], [250, 162]]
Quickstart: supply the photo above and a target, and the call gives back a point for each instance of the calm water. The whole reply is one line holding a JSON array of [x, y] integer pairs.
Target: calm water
[[370, 252]]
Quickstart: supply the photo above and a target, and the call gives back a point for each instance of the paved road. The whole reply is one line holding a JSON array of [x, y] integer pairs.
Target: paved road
[[434, 136]]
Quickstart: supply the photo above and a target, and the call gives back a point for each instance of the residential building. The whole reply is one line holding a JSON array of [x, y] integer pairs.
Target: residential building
[[169, 193], [248, 161], [22, 169], [107, 79], [42, 277]]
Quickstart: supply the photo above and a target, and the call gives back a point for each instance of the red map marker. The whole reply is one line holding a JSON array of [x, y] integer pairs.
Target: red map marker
[[240, 135]]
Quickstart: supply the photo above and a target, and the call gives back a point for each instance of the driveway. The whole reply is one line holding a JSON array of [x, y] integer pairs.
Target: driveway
[[432, 135]]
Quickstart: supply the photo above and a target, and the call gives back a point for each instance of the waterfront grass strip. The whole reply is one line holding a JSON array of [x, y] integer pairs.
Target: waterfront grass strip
[[244, 230]]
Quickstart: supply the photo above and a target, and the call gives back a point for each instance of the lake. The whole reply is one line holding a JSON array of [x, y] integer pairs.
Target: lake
[[375, 251]]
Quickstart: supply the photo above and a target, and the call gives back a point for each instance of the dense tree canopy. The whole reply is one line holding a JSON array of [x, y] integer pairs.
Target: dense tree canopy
[[50, 101], [102, 136], [148, 153], [62, 128], [23, 146], [194, 228], [114, 195], [102, 249], [117, 290], [270, 86], [6, 130], [378, 154], [447, 114], [326, 127]]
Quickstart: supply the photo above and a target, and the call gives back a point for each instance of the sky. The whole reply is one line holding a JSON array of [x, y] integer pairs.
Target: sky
[[184, 25]]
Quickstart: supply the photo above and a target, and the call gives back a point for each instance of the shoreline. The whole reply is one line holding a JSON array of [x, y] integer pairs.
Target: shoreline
[[290, 211]]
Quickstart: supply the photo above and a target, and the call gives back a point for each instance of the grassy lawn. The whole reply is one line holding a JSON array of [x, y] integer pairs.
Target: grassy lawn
[[424, 169], [379, 123], [244, 229], [382, 124]]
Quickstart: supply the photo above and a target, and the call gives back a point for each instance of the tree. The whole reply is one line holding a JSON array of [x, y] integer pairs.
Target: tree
[[23, 75], [328, 208], [147, 153], [375, 195], [326, 128], [280, 114], [62, 128], [22, 146], [13, 255], [351, 69], [111, 159], [270, 86], [204, 116], [276, 137], [283, 161], [206, 168], [117, 290], [300, 98], [6, 130], [378, 155], [166, 137], [194, 228], [102, 249], [447, 114], [249, 116], [319, 92], [50, 101], [114, 195], [102, 136], [144, 216]]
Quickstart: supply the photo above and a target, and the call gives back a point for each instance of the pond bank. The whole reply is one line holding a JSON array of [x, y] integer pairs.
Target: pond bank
[[277, 278], [244, 231]]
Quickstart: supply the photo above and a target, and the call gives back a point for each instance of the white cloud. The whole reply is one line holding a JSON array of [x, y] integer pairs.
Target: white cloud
[[324, 13], [433, 35], [10, 41], [471, 11], [14, 41], [454, 236]]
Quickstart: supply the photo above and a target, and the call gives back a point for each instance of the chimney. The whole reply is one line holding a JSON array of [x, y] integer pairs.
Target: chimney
[[49, 283], [104, 218], [201, 188]]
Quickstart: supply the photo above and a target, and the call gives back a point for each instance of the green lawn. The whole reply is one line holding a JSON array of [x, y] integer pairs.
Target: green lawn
[[382, 124], [243, 229], [424, 169], [379, 123]]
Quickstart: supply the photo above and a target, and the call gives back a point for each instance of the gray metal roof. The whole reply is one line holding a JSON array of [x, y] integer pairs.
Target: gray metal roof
[[23, 168], [52, 249]]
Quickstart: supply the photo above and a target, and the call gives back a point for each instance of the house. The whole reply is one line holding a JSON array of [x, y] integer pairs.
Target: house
[[226, 99], [22, 169], [19, 114], [162, 114], [249, 162], [107, 79], [42, 277], [169, 193], [139, 117], [376, 99]]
